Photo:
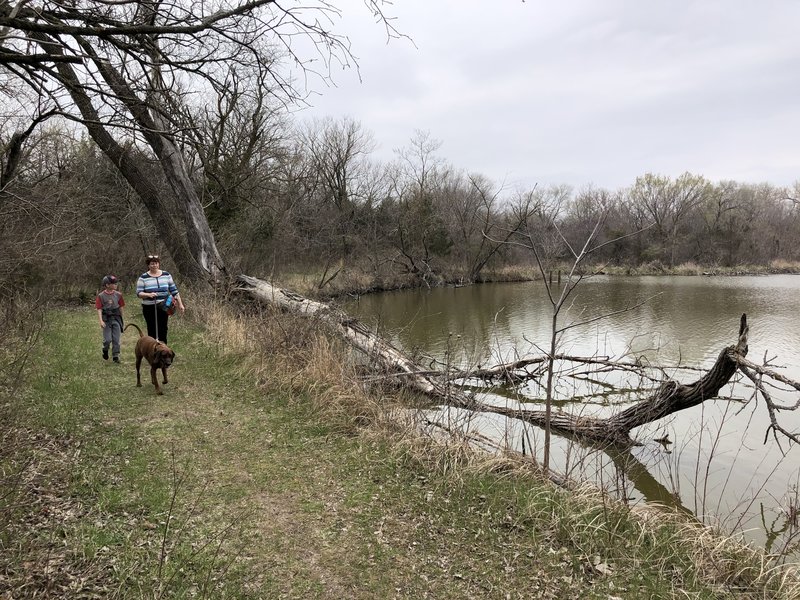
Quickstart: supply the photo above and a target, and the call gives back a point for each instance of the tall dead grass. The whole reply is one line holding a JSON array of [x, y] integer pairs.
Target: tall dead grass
[[295, 355]]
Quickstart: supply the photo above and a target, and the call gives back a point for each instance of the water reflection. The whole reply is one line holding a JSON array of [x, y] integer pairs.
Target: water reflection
[[687, 317], [719, 467]]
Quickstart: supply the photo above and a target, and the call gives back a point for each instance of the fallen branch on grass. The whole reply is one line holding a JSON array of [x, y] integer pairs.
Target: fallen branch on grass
[[391, 362]]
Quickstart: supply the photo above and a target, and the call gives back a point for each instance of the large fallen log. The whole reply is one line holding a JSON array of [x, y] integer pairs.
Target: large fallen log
[[668, 398], [392, 362]]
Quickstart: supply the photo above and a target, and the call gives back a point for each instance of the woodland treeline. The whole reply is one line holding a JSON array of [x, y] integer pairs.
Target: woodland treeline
[[140, 127], [286, 197]]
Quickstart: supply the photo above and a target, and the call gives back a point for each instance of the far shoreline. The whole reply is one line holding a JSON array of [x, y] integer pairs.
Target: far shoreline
[[350, 284]]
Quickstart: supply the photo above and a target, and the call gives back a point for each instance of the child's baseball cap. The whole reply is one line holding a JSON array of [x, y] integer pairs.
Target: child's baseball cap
[[109, 279]]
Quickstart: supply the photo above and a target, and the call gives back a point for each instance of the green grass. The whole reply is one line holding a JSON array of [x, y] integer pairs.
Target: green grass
[[223, 488]]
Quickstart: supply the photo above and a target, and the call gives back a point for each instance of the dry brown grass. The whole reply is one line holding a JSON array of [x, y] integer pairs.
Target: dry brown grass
[[292, 353], [784, 266]]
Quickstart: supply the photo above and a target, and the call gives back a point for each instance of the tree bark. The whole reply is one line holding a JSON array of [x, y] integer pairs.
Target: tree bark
[[669, 397], [391, 362], [152, 126], [168, 230]]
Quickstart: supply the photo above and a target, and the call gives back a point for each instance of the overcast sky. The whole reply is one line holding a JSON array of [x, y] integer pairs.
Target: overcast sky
[[581, 91]]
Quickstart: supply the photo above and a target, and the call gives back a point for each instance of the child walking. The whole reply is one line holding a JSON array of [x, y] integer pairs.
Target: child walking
[[109, 305]]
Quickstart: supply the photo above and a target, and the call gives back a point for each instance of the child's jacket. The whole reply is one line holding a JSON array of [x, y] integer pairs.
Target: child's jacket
[[110, 304]]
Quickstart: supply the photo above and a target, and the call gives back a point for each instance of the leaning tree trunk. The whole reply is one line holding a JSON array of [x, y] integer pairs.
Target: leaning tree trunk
[[198, 232], [168, 229], [670, 397], [192, 246]]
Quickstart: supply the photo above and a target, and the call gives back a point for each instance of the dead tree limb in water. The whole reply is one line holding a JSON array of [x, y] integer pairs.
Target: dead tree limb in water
[[518, 371], [670, 397], [755, 373]]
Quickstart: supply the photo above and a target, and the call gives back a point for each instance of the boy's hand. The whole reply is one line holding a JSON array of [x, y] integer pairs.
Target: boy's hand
[[102, 325]]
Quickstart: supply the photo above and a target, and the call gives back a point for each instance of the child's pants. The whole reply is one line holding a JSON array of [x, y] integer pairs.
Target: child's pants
[[111, 333]]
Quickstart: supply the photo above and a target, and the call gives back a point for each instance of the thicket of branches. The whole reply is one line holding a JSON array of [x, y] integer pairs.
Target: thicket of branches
[[140, 126], [283, 196]]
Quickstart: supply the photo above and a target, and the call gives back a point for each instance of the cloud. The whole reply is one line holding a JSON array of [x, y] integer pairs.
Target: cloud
[[583, 92]]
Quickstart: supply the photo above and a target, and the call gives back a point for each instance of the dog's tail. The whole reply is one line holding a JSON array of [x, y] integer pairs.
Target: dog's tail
[[133, 325]]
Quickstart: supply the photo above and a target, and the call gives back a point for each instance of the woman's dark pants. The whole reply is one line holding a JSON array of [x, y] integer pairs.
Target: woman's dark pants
[[156, 320]]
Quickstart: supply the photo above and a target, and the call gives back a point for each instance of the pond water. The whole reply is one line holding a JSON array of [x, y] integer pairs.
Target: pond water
[[718, 465]]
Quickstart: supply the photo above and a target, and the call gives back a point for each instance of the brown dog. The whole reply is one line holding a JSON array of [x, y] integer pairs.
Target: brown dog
[[158, 355]]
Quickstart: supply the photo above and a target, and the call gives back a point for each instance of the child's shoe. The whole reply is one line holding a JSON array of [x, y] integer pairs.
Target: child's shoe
[[116, 359], [105, 353]]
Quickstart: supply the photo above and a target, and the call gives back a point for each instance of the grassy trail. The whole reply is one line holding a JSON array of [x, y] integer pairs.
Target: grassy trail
[[222, 488]]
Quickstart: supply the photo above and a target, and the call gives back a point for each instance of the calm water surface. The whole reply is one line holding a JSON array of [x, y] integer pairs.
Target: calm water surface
[[718, 466]]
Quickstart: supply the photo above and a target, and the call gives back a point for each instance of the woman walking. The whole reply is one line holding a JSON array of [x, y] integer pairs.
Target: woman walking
[[158, 291]]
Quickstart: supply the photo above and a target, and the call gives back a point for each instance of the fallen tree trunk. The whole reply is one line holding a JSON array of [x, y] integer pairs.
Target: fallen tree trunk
[[393, 362], [670, 397]]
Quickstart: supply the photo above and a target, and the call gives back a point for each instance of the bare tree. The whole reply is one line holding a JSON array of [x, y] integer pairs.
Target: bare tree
[[479, 220], [543, 237], [116, 68], [237, 138], [668, 205], [420, 234], [337, 152]]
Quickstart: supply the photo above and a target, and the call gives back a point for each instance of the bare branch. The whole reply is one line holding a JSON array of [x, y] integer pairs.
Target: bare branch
[[772, 409]]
